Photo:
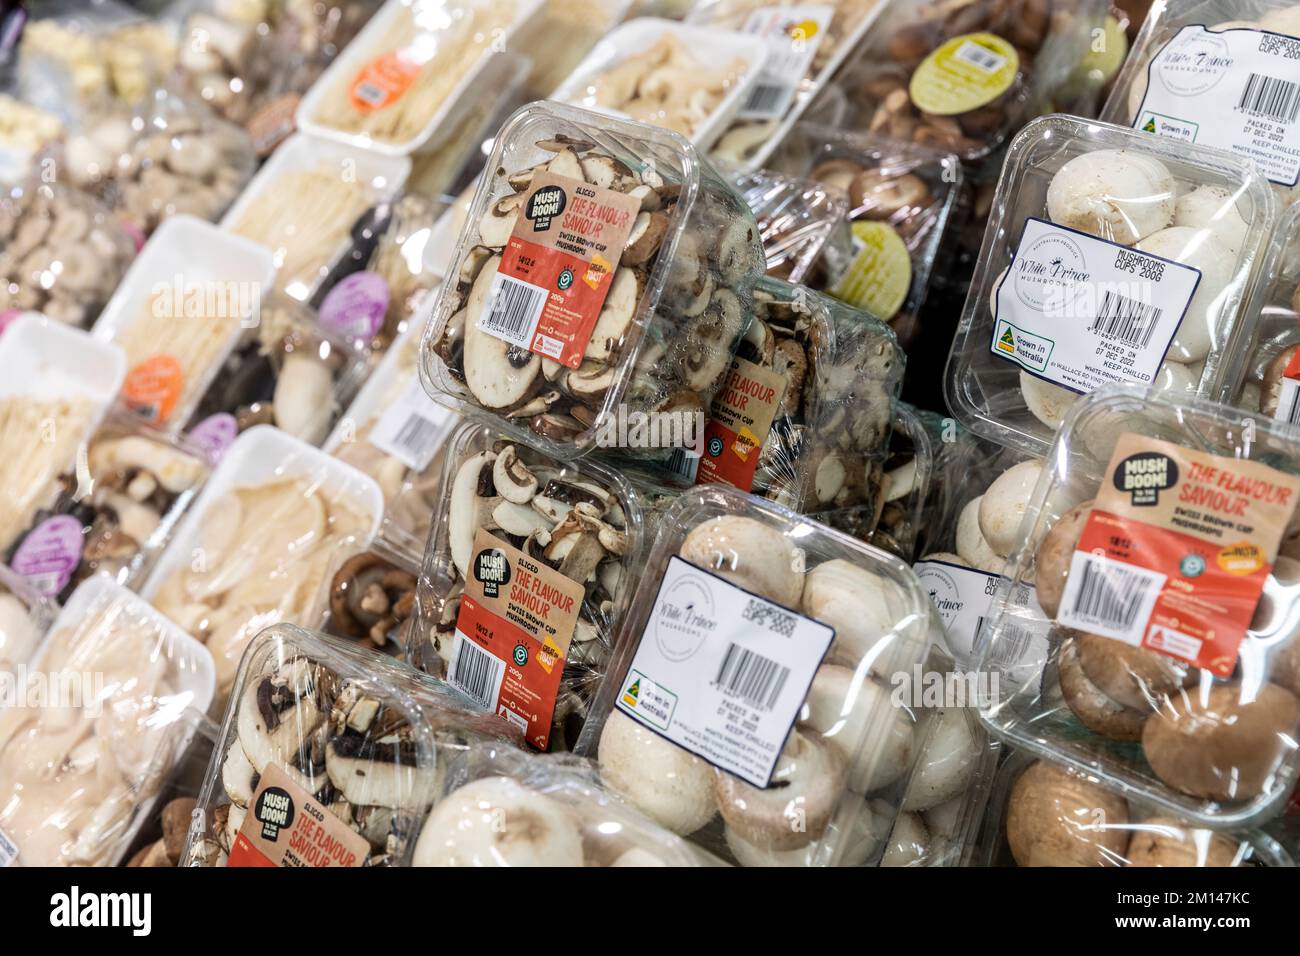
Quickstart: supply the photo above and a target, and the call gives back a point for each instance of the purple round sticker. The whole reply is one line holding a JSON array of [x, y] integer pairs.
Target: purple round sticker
[[214, 435], [7, 316], [49, 554], [355, 307]]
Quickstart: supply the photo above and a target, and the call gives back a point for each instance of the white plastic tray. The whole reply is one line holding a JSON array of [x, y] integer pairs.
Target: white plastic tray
[[45, 359]]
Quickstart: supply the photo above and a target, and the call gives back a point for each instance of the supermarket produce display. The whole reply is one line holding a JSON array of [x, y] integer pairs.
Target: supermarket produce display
[[717, 433]]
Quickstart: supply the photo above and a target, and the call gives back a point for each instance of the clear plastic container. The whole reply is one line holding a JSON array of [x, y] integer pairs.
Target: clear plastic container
[[1110, 256], [901, 198], [252, 549], [362, 741], [581, 523], [1244, 49], [670, 316], [749, 615], [368, 597], [24, 616], [908, 472], [1171, 667], [81, 772], [25, 130], [115, 512], [61, 253], [795, 219], [1043, 814], [581, 824], [962, 79]]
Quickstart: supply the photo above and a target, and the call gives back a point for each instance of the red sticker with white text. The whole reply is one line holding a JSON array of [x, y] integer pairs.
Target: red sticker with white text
[[739, 422], [286, 826], [383, 81], [1176, 551]]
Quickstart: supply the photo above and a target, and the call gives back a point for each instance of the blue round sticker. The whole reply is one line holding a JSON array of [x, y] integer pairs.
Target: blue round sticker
[[1192, 566]]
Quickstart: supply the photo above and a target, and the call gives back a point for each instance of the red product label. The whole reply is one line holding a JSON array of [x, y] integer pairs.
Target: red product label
[[153, 388], [383, 81], [286, 826], [740, 419]]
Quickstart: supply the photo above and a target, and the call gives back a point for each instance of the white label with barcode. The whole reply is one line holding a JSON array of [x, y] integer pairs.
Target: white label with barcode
[[412, 428], [793, 35], [722, 672], [1288, 403], [513, 310], [1084, 312], [476, 671], [1108, 597], [980, 57], [962, 597], [1237, 90]]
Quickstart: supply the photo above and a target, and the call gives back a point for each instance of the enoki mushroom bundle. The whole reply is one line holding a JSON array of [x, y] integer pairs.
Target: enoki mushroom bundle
[[38, 442], [418, 62]]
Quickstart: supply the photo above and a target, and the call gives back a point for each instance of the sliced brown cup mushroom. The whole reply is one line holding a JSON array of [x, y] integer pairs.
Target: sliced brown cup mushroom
[[372, 598], [647, 235], [498, 373], [514, 481], [616, 315]]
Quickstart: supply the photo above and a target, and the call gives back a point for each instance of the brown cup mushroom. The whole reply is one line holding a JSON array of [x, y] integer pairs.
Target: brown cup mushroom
[[1163, 841], [1096, 711], [1052, 564], [1055, 817]]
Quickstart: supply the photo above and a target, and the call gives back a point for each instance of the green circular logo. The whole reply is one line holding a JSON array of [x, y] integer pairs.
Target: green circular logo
[[521, 655], [565, 280], [1192, 566]]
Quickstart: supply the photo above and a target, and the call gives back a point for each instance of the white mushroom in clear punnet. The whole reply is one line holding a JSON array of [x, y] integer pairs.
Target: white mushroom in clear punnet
[[1176, 377], [1285, 20], [1116, 194], [1213, 208], [909, 842], [846, 710], [949, 756], [1047, 402], [862, 607], [750, 554], [1199, 249], [862, 836], [971, 546], [498, 822], [663, 781], [1003, 504]]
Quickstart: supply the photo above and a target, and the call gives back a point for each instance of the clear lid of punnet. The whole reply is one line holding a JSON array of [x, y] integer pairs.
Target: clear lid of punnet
[[501, 806], [526, 551], [1109, 256], [570, 315], [320, 733], [1044, 814], [1243, 82], [367, 596], [908, 472], [108, 705], [24, 616], [749, 615], [1160, 540], [796, 217]]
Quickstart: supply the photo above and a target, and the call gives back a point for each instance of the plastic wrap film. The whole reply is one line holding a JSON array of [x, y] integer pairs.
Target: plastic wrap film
[[818, 777], [358, 743], [111, 700], [1160, 653], [796, 218], [1058, 307], [369, 598], [24, 617]]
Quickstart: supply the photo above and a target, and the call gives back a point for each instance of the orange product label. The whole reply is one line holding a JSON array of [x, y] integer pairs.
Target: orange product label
[[517, 619], [287, 826], [559, 266], [740, 419], [383, 81], [1292, 369], [153, 388], [1176, 551]]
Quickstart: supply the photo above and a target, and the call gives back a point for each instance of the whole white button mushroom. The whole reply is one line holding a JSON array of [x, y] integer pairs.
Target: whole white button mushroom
[[1201, 250], [847, 710], [1176, 377], [908, 843], [950, 753], [1213, 208], [1047, 402], [663, 781], [862, 607], [1286, 20], [1003, 505], [972, 547], [748, 553], [861, 841], [1115, 194]]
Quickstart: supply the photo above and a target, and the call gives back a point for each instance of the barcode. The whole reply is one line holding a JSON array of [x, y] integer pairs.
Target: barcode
[[477, 672], [1268, 96], [1129, 320], [369, 94], [755, 679], [516, 307], [1011, 644], [769, 616], [1288, 406], [1111, 595], [418, 435], [768, 98], [976, 55], [684, 463]]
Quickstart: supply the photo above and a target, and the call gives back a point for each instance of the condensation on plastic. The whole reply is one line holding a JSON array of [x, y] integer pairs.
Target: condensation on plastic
[[1050, 37], [490, 788], [169, 154], [368, 596], [289, 371], [660, 358], [843, 369], [459, 514], [977, 381], [795, 219], [124, 690], [24, 617], [1066, 817], [846, 811], [252, 549], [62, 253], [128, 492], [907, 189], [1164, 22], [908, 472], [368, 735], [1236, 788]]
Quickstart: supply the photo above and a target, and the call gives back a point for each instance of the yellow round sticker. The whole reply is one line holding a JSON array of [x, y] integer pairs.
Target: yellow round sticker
[[964, 74], [878, 278]]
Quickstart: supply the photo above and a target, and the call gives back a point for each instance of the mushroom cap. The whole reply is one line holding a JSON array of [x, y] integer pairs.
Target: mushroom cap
[[750, 554], [1057, 818], [1273, 623], [1164, 841], [498, 822], [970, 544], [1052, 562], [1099, 713], [862, 606], [1117, 194], [663, 781], [1212, 207], [1131, 676], [1201, 249], [1221, 742], [950, 752], [847, 711], [1284, 20], [1047, 402], [795, 808], [909, 841], [1177, 377], [861, 841], [1003, 504]]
